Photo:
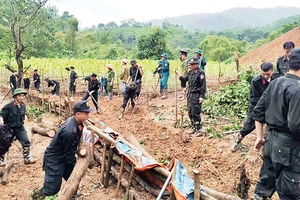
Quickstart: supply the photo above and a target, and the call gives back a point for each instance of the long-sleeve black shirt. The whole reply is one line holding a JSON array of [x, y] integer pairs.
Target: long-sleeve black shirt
[[73, 76], [13, 115], [282, 65], [197, 81], [279, 105], [258, 86], [52, 83], [93, 85], [134, 71], [64, 144], [36, 77]]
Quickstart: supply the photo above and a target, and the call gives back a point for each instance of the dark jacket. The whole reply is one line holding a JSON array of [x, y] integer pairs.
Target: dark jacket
[[13, 115], [93, 85], [258, 86], [279, 105], [13, 80], [73, 76], [282, 65], [130, 92], [52, 83], [197, 82], [64, 144], [36, 77], [134, 71]]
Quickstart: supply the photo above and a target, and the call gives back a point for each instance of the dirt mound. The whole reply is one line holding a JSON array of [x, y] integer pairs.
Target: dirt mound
[[271, 51]]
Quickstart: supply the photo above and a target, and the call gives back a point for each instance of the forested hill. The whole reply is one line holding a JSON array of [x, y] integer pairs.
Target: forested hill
[[236, 17]]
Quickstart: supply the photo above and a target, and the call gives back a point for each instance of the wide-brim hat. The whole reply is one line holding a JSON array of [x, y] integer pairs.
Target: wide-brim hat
[[110, 66], [125, 61], [19, 91], [81, 106]]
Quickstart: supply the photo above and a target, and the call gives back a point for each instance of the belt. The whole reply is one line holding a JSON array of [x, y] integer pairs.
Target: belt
[[283, 133]]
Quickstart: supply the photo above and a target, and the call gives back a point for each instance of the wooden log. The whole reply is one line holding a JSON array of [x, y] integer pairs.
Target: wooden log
[[43, 131], [196, 184], [120, 175], [4, 172], [131, 193], [165, 172], [154, 191], [108, 167], [130, 181], [78, 172], [102, 164]]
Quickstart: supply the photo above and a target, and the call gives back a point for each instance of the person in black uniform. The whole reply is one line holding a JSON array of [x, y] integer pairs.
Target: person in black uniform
[[258, 85], [73, 81], [92, 91], [13, 81], [136, 73], [13, 115], [55, 85], [282, 64], [59, 157], [130, 93], [196, 92], [36, 80], [279, 109]]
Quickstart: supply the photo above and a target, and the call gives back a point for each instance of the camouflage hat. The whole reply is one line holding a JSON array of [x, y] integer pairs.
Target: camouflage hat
[[198, 51], [193, 60], [19, 91], [164, 55], [183, 50], [133, 62]]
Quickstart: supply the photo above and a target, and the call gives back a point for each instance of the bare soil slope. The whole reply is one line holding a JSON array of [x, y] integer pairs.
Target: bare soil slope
[[271, 51]]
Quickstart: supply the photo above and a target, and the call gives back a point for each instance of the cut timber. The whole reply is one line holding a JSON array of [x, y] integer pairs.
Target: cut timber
[[165, 172], [78, 172], [4, 172], [43, 131]]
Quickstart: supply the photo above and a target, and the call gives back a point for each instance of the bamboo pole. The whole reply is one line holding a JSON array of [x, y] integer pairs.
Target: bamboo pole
[[103, 164]]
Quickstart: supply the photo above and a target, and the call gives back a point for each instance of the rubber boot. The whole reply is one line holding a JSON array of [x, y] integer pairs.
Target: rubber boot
[[160, 92], [183, 94], [26, 154], [192, 129], [165, 94], [198, 127], [237, 142]]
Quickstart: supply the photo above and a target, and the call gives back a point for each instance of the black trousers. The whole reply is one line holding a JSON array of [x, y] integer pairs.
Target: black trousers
[[26, 83], [56, 89], [21, 135], [72, 88], [54, 175], [194, 107], [37, 85], [248, 127], [281, 167], [94, 99], [125, 101]]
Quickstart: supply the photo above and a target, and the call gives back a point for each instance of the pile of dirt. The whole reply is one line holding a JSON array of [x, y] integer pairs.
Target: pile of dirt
[[271, 51]]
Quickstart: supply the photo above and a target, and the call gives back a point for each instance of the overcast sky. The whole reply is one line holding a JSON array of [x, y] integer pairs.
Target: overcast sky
[[93, 12]]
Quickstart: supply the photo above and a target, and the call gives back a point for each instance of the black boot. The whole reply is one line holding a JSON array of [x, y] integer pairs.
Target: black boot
[[26, 154]]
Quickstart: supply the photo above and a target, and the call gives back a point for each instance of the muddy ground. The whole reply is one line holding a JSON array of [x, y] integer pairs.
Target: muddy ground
[[153, 125]]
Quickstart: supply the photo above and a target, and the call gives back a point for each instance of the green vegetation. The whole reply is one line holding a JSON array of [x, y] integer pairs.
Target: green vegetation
[[35, 111]]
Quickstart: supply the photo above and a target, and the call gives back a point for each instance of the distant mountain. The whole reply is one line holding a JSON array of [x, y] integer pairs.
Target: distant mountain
[[232, 18]]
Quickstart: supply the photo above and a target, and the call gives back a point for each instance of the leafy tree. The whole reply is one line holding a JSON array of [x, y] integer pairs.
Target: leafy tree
[[152, 45], [6, 43], [111, 25], [19, 15], [72, 28]]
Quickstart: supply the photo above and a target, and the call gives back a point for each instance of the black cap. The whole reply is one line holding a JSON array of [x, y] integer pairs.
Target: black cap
[[35, 70], [294, 61], [132, 62], [193, 60], [82, 107], [72, 67], [94, 75]]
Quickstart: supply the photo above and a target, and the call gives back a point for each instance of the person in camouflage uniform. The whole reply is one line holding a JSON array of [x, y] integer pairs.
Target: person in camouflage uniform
[[110, 81], [184, 71]]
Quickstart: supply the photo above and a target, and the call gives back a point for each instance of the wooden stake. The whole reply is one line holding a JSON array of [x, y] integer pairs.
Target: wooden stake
[[103, 164], [120, 176], [196, 184], [93, 144], [129, 181], [130, 195], [109, 162]]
